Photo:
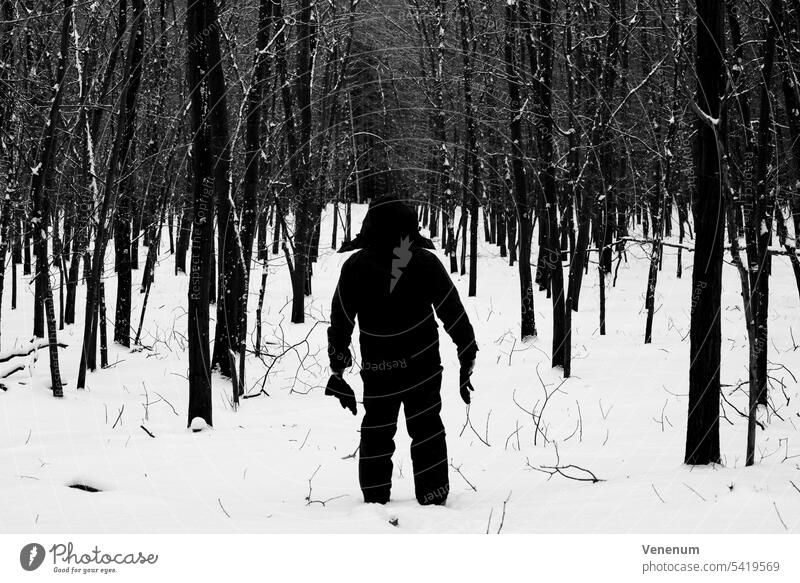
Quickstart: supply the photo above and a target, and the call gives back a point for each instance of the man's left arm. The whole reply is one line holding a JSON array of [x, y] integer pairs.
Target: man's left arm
[[451, 312]]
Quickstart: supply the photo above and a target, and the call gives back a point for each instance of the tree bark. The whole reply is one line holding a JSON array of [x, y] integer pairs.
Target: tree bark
[[46, 158], [209, 150], [702, 435], [528, 317], [122, 216]]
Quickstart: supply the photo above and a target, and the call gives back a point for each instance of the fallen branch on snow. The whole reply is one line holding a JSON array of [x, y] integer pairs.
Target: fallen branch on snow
[[34, 348], [7, 355], [566, 470]]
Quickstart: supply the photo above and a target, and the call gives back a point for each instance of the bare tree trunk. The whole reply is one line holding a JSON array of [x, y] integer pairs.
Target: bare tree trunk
[[472, 161], [761, 227], [543, 78], [209, 149], [255, 98], [46, 157], [746, 198], [7, 114], [603, 220], [152, 252], [122, 216], [702, 435], [5, 229], [184, 236], [528, 317], [116, 169], [791, 97], [298, 143], [510, 214], [656, 205], [578, 261], [102, 323]]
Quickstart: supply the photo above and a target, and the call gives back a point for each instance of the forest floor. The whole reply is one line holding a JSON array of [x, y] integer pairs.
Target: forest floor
[[285, 462]]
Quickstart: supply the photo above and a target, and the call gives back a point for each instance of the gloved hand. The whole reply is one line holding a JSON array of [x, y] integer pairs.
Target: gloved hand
[[337, 387], [465, 385]]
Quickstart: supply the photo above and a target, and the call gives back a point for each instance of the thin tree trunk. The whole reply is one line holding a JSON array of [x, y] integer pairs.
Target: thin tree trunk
[[115, 169], [184, 238], [122, 216], [761, 226], [528, 317], [46, 158], [791, 99], [103, 326], [472, 162], [549, 220]]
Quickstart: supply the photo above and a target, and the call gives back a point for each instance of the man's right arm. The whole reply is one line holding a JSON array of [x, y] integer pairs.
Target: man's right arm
[[343, 317]]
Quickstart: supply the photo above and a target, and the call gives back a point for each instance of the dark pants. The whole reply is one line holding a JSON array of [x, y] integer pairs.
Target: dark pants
[[419, 395]]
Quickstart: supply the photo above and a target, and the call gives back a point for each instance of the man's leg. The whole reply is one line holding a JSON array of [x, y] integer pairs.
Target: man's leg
[[422, 404], [377, 446]]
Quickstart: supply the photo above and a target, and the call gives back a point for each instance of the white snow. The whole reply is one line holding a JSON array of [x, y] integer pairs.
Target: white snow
[[285, 462], [198, 424]]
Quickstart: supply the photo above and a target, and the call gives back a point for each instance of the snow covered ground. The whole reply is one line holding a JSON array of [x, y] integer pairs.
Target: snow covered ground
[[285, 462]]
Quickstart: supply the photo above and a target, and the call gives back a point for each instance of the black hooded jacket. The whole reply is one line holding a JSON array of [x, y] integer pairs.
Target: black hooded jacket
[[393, 285]]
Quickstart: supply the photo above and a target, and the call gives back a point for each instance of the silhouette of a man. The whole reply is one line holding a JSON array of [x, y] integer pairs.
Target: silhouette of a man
[[392, 286]]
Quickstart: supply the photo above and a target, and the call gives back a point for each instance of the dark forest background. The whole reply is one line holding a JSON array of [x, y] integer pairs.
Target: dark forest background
[[559, 130]]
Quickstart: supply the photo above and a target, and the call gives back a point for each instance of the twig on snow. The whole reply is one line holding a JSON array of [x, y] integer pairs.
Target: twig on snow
[[309, 501], [120, 417], [503, 516], [695, 491], [779, 516], [460, 473]]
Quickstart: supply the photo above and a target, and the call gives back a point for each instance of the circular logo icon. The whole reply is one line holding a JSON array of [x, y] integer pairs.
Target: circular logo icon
[[31, 556]]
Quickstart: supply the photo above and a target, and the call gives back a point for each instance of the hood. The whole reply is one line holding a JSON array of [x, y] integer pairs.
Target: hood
[[388, 220]]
